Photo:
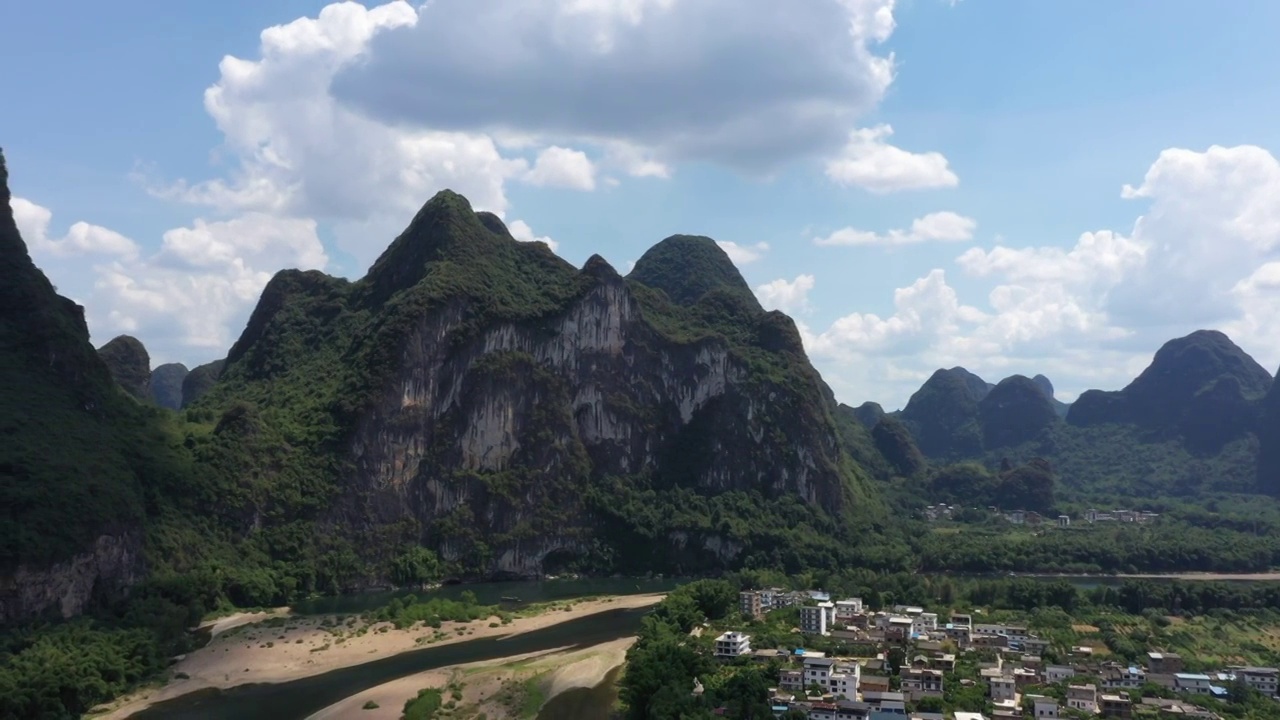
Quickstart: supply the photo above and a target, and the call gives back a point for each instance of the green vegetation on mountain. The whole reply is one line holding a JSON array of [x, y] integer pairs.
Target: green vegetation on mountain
[[129, 364], [78, 459], [166, 385], [198, 382]]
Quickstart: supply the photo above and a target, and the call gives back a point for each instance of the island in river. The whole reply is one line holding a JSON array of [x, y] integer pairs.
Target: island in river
[[270, 658]]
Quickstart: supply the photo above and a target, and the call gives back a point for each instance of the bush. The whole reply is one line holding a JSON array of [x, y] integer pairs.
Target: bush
[[370, 705]]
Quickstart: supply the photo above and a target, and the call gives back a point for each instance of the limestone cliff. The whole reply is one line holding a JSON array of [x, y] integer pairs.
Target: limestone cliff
[[501, 405], [71, 475]]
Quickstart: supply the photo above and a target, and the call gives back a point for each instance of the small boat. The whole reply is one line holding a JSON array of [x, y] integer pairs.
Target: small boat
[[509, 599]]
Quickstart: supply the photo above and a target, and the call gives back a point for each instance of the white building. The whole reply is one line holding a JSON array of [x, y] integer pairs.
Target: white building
[[817, 671], [846, 609], [1083, 698], [969, 716], [732, 645], [844, 680]]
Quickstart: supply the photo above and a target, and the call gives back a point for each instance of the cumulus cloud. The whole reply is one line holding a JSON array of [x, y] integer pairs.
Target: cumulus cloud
[[1205, 253], [521, 231], [743, 254], [562, 167], [751, 83], [192, 296], [943, 226], [789, 296], [81, 239], [868, 161]]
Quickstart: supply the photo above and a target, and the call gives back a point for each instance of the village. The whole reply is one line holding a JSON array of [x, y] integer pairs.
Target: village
[[899, 663], [1090, 517]]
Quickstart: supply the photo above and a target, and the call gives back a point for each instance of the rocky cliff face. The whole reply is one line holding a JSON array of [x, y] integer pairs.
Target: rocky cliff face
[[493, 390], [129, 365], [105, 569]]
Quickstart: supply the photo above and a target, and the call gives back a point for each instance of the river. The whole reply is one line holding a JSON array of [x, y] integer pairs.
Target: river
[[297, 699]]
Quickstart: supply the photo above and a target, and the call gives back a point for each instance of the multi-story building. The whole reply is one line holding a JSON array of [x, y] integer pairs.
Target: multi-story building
[[920, 683], [1115, 706], [817, 671], [1161, 663], [845, 680], [750, 604], [1083, 698], [817, 619], [1001, 687], [732, 644], [847, 609], [1264, 680]]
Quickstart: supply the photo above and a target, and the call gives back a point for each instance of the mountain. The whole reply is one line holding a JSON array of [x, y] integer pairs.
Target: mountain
[[483, 397], [166, 385], [1046, 386], [78, 456], [199, 381], [943, 414], [1201, 416], [129, 364], [1015, 411], [868, 414], [1202, 388]]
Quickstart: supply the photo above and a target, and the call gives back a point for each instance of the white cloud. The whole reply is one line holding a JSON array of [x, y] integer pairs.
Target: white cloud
[[789, 296], [943, 226], [300, 153], [521, 231], [869, 162], [81, 239], [743, 254], [1206, 253], [748, 83], [188, 299], [562, 167]]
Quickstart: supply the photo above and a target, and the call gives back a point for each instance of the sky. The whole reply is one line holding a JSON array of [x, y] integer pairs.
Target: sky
[[1008, 186]]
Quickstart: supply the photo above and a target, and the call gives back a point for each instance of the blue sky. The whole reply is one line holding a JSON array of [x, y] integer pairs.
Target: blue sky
[[605, 125]]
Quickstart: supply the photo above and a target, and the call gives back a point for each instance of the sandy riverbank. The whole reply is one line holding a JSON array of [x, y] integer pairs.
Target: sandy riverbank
[[498, 689], [280, 648]]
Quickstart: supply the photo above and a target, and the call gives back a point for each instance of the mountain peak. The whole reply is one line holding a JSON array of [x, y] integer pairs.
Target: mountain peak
[[446, 226], [1202, 380], [687, 267], [943, 413], [1045, 385], [129, 364], [1015, 411]]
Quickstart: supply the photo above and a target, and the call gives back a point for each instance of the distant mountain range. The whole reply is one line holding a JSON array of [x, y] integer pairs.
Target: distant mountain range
[[1203, 415]]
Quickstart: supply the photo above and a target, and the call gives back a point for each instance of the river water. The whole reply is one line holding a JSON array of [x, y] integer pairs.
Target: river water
[[299, 698]]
